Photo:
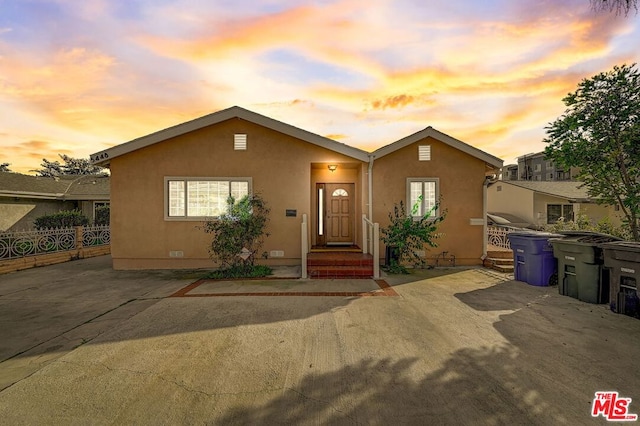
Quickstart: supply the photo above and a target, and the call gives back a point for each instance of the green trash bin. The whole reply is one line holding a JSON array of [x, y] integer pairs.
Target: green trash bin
[[581, 273]]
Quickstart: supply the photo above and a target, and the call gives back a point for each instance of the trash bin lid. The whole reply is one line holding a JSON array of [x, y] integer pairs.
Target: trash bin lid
[[633, 246], [534, 234], [588, 234], [586, 237]]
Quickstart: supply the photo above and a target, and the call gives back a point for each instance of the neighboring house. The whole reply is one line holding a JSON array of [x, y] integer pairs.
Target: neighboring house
[[543, 203], [535, 167], [23, 198], [165, 184]]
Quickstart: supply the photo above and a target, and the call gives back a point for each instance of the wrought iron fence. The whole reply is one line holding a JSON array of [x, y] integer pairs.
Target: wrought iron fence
[[18, 244], [497, 236], [96, 235]]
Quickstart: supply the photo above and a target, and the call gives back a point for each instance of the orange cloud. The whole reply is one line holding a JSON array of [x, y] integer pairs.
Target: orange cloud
[[397, 101]]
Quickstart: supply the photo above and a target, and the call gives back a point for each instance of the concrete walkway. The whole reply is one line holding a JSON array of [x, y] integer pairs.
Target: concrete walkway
[[83, 344]]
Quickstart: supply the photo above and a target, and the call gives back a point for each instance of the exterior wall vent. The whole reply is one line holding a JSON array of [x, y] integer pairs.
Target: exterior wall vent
[[240, 142], [424, 152]]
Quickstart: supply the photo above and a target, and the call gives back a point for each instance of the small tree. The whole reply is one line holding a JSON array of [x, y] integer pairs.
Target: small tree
[[599, 132], [4, 167], [238, 234], [407, 234]]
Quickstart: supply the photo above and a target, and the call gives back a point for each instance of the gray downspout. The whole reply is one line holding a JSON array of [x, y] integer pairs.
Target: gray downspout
[[370, 177], [485, 238]]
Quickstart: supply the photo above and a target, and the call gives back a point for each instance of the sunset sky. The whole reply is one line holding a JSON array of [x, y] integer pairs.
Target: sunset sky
[[77, 77]]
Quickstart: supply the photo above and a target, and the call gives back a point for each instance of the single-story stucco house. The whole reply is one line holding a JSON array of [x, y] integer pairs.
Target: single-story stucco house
[[544, 203], [165, 184], [23, 198]]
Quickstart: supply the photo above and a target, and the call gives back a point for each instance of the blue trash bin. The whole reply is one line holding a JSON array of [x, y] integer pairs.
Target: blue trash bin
[[533, 261]]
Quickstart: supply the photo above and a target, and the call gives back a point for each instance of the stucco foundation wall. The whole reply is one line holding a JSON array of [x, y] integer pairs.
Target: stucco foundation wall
[[461, 178], [13, 265], [279, 165]]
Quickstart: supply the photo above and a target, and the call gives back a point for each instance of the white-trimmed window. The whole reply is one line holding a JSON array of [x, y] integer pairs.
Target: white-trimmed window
[[97, 205], [197, 198], [557, 211], [422, 193]]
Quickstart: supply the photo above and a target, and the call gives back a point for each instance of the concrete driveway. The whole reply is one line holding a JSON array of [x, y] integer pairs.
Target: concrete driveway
[[82, 344]]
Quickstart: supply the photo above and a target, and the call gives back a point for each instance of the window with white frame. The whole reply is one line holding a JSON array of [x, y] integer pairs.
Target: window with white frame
[[197, 198], [422, 193], [97, 205], [557, 211]]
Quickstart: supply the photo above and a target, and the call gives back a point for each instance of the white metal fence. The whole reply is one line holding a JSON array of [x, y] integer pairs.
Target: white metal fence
[[18, 244], [497, 236]]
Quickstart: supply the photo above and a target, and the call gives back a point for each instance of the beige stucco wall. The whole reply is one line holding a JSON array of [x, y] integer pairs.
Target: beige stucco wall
[[506, 198], [597, 212], [19, 214], [593, 211], [281, 169], [461, 178], [532, 206]]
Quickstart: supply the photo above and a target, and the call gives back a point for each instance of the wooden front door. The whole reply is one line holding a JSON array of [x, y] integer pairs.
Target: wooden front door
[[337, 208]]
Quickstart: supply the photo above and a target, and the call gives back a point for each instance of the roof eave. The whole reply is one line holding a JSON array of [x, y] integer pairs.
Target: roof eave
[[36, 195]]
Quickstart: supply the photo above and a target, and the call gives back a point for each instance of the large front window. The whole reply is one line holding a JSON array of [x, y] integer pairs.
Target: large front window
[[196, 198], [557, 211], [422, 196]]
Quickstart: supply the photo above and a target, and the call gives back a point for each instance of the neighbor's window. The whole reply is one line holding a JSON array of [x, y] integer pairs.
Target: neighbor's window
[[556, 211], [424, 193], [97, 205], [195, 198]]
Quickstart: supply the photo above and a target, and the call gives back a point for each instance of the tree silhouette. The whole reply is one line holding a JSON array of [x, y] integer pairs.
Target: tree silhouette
[[618, 6]]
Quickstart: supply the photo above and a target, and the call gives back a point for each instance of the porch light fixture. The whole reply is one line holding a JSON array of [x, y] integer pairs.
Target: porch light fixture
[[332, 167]]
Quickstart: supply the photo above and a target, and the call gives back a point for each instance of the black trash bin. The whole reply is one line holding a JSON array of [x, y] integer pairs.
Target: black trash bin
[[391, 253], [623, 261], [581, 273]]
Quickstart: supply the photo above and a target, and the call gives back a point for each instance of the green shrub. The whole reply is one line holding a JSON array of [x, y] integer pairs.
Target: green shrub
[[63, 219], [239, 234], [256, 271], [583, 223], [407, 235]]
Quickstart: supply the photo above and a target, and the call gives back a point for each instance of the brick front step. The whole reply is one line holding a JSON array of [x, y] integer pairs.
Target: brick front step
[[333, 271], [339, 259], [499, 264], [339, 264], [500, 254]]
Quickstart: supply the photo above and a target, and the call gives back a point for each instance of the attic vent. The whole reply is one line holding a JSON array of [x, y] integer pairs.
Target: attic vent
[[240, 142], [424, 152]]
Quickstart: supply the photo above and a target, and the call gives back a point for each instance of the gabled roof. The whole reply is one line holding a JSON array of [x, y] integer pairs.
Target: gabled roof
[[442, 137], [573, 191], [103, 157], [86, 187]]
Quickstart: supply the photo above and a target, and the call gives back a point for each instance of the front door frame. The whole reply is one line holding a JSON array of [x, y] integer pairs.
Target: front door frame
[[321, 212]]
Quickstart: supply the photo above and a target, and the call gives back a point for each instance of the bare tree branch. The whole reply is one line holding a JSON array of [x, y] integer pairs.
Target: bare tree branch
[[620, 7]]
